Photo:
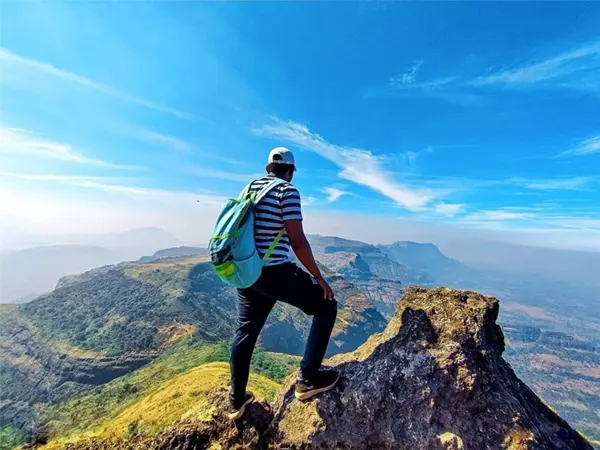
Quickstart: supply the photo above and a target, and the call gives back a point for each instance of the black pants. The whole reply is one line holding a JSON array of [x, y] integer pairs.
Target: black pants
[[289, 284]]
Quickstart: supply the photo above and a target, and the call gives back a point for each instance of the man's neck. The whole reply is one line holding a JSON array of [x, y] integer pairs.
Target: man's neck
[[274, 176]]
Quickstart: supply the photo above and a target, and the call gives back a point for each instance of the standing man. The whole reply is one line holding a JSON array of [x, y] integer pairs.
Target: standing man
[[282, 280]]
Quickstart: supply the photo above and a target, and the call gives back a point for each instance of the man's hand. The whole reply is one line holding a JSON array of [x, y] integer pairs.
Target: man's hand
[[326, 288], [297, 238]]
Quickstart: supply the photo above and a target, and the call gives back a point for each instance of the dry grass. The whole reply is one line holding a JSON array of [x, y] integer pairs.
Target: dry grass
[[184, 397], [170, 334]]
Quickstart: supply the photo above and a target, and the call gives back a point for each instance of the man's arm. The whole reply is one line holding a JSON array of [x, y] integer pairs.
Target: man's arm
[[302, 249]]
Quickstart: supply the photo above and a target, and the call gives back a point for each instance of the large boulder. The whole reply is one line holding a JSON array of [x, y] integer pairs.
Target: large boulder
[[435, 378]]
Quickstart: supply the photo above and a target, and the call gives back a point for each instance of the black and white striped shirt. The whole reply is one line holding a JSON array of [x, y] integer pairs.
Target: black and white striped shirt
[[280, 204]]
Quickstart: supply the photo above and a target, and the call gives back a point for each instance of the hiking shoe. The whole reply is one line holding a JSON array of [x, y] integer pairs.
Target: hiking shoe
[[323, 381], [234, 412]]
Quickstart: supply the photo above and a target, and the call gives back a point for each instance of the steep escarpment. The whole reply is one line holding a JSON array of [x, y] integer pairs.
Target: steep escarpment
[[433, 379], [378, 262], [382, 293]]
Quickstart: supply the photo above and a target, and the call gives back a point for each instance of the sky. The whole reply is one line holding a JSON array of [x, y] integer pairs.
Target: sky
[[427, 121]]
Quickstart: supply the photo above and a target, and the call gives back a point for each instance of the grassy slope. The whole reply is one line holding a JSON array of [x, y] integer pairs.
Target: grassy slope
[[184, 397], [10, 437], [109, 406]]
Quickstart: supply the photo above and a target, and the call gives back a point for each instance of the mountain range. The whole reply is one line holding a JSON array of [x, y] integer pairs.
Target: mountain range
[[29, 272], [96, 330]]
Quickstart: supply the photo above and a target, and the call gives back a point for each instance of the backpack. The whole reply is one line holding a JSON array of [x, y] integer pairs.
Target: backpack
[[232, 247]]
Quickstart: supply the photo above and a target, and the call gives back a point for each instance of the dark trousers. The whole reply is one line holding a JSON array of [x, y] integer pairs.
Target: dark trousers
[[289, 284]]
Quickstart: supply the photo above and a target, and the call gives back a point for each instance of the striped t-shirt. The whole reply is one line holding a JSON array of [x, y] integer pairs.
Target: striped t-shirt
[[280, 204]]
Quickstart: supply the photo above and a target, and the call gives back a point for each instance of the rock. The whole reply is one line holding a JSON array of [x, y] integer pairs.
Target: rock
[[434, 379]]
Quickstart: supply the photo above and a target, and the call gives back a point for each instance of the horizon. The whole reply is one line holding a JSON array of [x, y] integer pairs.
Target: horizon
[[462, 142]]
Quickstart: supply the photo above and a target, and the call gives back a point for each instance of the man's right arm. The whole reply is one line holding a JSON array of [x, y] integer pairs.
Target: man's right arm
[[302, 249]]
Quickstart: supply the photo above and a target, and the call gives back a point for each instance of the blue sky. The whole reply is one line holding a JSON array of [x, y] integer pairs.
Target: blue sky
[[402, 115]]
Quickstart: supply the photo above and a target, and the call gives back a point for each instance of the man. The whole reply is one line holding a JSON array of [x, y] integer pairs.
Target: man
[[282, 280]]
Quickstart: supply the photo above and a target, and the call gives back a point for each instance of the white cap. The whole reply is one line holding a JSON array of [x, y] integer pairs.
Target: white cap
[[281, 155]]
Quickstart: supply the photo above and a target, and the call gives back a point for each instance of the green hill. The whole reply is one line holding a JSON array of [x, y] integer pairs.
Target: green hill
[[107, 408], [110, 321]]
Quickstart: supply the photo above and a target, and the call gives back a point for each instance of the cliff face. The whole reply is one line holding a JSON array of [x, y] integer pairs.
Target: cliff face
[[433, 379]]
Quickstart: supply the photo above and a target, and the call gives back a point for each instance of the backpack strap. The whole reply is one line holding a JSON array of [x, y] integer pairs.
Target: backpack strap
[[265, 190]]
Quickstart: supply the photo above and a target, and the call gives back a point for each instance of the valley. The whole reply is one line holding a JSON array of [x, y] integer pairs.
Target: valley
[[77, 358]]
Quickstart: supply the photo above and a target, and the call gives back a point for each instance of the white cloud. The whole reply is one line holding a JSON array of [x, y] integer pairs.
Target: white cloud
[[115, 185], [448, 209], [550, 184], [160, 139], [407, 77], [307, 201], [222, 175], [43, 205], [334, 194], [24, 143], [357, 165], [585, 147], [575, 69], [564, 184], [448, 89], [12, 60], [571, 66], [497, 215]]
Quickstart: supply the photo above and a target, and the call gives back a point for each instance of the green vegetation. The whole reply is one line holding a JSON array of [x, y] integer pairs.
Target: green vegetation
[[11, 437], [107, 402], [186, 396], [106, 323]]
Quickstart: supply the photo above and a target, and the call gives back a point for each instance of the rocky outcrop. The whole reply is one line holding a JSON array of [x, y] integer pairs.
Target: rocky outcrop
[[433, 379]]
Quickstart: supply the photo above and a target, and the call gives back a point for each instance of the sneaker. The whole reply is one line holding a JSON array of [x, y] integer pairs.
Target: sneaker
[[324, 381], [234, 412]]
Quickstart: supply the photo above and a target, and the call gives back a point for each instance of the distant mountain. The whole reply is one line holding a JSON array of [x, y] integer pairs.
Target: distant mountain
[[104, 323], [425, 257], [383, 293], [175, 252], [144, 240], [27, 273], [378, 262]]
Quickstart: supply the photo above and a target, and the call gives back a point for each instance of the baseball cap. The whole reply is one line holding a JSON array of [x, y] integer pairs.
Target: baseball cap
[[282, 155]]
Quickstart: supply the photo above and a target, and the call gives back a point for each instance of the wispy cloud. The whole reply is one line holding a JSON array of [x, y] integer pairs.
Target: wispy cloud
[[576, 67], [553, 184], [448, 209], [156, 138], [308, 201], [18, 142], [116, 185], [449, 89], [357, 165], [10, 59], [222, 175], [334, 194], [585, 147], [407, 77], [498, 215]]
